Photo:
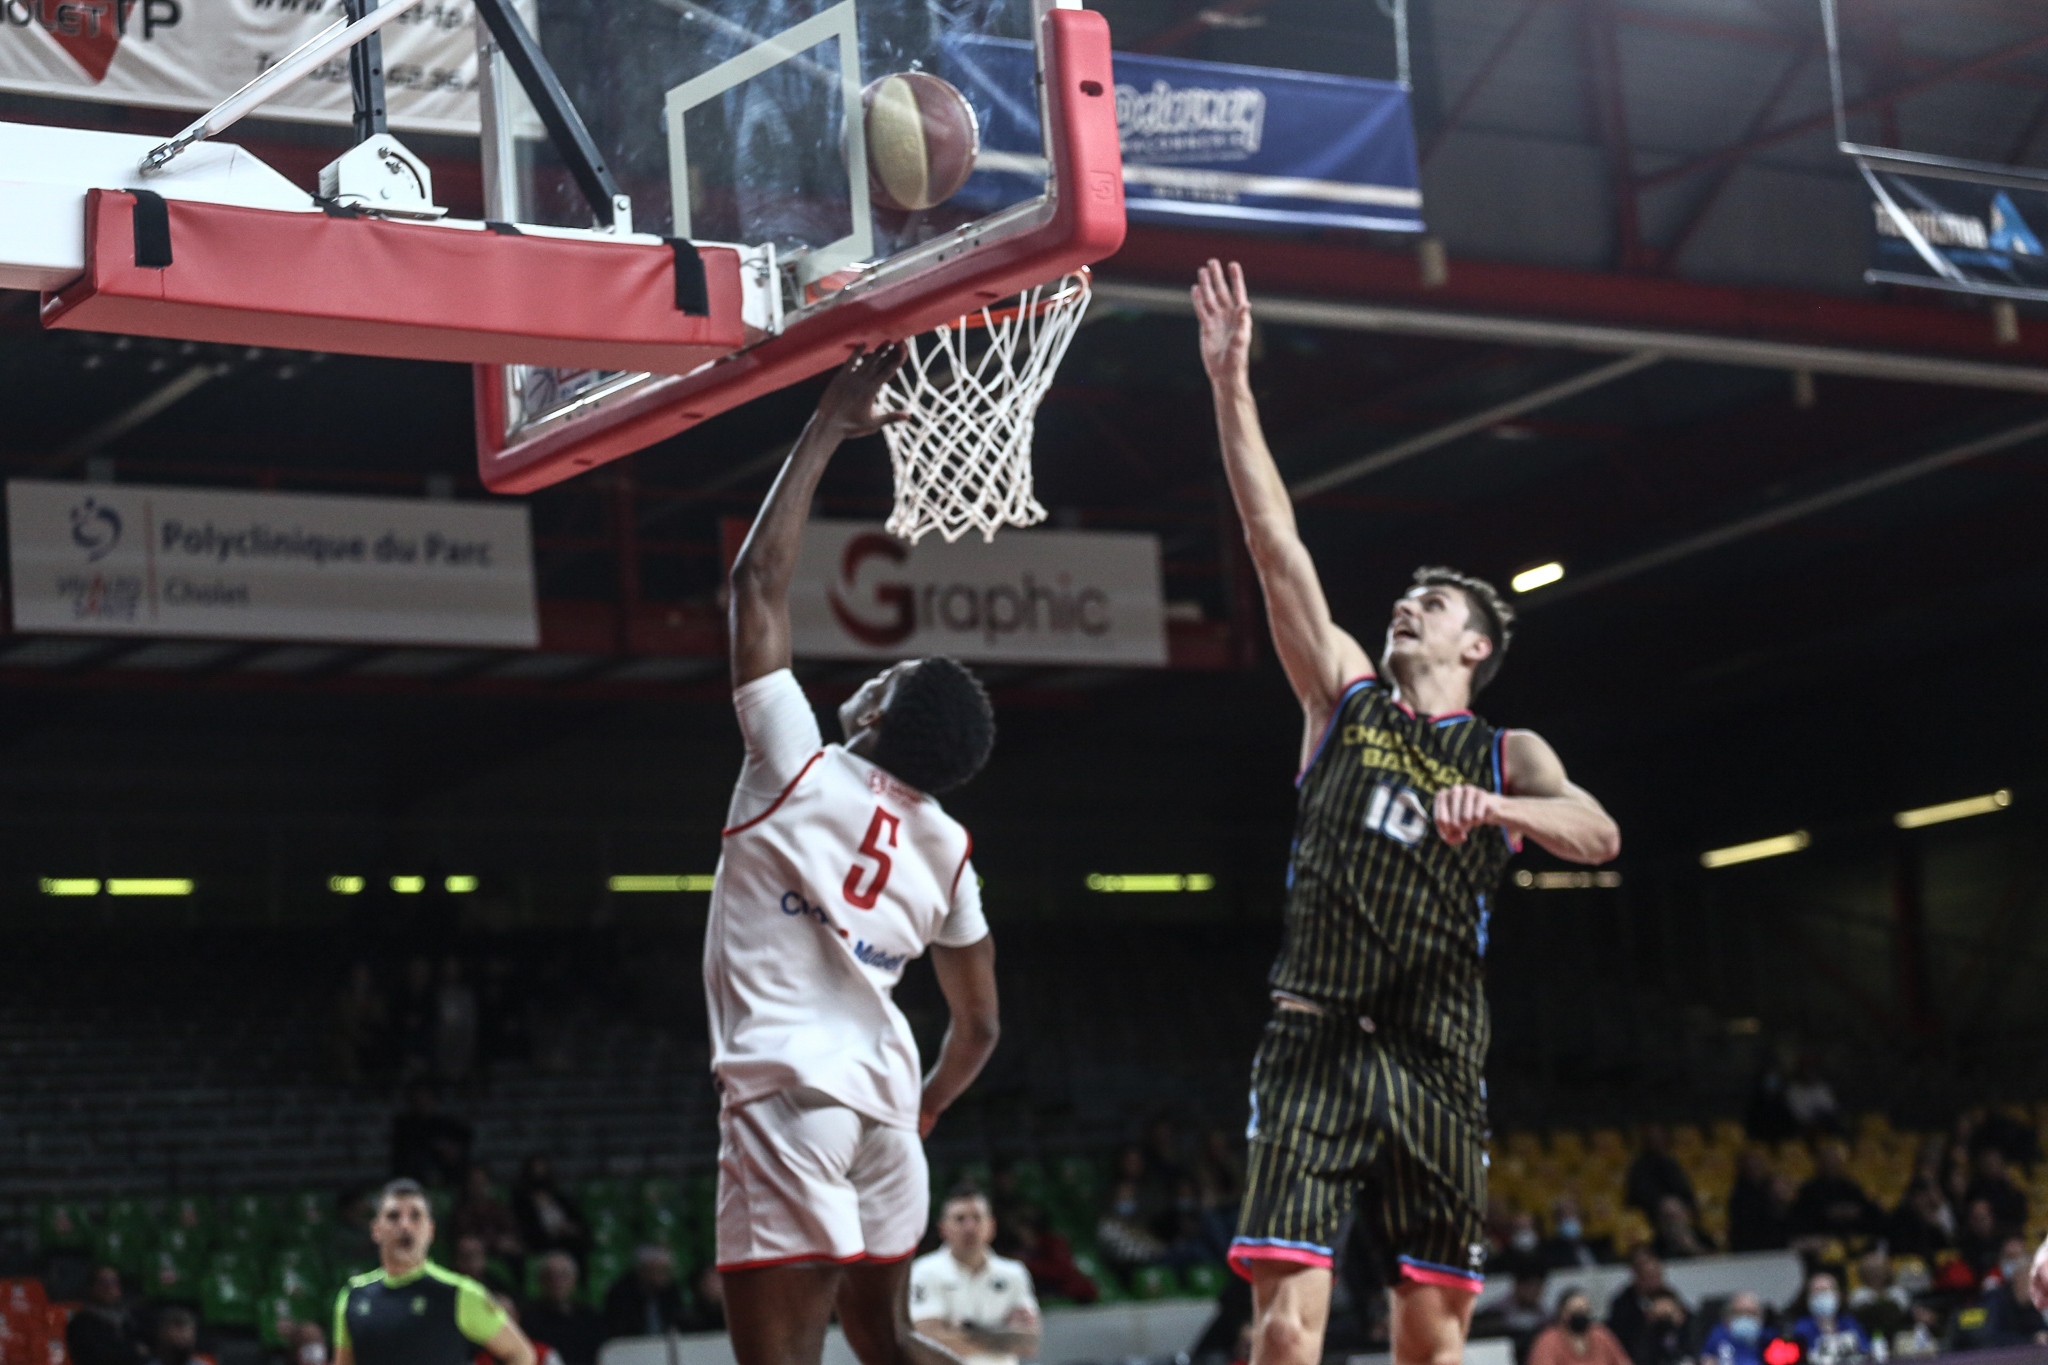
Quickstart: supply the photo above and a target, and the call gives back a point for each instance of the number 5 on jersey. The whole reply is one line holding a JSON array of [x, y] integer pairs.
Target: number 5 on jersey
[[883, 825]]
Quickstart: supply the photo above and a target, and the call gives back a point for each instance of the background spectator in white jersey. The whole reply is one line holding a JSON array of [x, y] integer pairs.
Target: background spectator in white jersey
[[968, 1299]]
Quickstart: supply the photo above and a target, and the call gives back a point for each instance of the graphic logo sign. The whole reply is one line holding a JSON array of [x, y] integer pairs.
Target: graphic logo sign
[[96, 529]]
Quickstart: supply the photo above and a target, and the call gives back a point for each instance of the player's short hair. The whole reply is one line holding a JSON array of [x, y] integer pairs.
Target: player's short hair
[[402, 1188], [1489, 614], [938, 728], [964, 1192]]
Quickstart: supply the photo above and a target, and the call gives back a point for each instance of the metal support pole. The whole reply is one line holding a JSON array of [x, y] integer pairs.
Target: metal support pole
[[366, 76]]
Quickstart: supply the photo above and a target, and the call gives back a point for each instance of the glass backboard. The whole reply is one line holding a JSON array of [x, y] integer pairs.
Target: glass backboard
[[742, 122]]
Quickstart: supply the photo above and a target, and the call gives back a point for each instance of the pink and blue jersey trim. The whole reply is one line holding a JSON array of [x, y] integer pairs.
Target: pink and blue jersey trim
[[1443, 1276], [1245, 1250]]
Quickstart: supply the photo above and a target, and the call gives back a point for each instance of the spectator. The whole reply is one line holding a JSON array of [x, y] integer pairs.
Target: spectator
[[2000, 1132], [479, 1213], [1519, 1317], [1124, 1231], [1831, 1203], [1826, 1330], [306, 1344], [102, 1331], [359, 1022], [426, 1145], [2008, 1205], [1655, 1173], [1768, 1118], [710, 1311], [1883, 1307], [1667, 1331], [1923, 1225], [1522, 1254], [1811, 1101], [646, 1301], [177, 1338], [455, 1025], [548, 1218], [473, 1258], [503, 1033], [1677, 1236], [2005, 1314], [1573, 1338], [1568, 1247], [1979, 1242], [1164, 1168], [348, 1241], [977, 1305], [1737, 1339], [1220, 1175], [1050, 1260], [1628, 1317], [555, 1316], [1757, 1219], [544, 1352]]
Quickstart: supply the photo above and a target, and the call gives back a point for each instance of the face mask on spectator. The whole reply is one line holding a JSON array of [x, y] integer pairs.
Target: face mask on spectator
[[1578, 1324], [2014, 1270], [313, 1353], [1824, 1303], [1523, 1240], [1569, 1229], [1745, 1328]]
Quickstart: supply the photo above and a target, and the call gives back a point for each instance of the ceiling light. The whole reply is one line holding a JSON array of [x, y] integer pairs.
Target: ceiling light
[[1566, 881], [1150, 881], [1762, 848], [345, 886], [460, 885], [1953, 810], [695, 881], [1542, 576], [70, 886], [149, 886], [408, 886]]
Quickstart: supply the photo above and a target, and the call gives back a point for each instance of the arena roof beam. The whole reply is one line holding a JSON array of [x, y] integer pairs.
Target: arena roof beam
[[1466, 426], [1480, 79], [1582, 336], [1774, 517]]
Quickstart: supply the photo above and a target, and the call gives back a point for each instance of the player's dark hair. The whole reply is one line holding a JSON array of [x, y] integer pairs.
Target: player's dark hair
[[939, 727], [1489, 614], [965, 1190], [402, 1188]]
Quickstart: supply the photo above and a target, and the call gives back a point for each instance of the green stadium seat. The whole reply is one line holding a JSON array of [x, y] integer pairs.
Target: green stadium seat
[[124, 1248], [603, 1271], [975, 1173], [601, 1194], [308, 1209], [228, 1291], [193, 1213], [660, 1223], [442, 1202], [1154, 1282], [62, 1226], [1089, 1264], [130, 1215], [1204, 1281], [171, 1275], [277, 1311], [181, 1241]]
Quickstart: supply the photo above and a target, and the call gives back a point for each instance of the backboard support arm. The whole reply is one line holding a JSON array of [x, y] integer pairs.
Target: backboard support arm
[[366, 77], [558, 114]]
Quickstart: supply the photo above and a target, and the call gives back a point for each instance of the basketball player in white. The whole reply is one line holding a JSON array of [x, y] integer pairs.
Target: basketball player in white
[[839, 867]]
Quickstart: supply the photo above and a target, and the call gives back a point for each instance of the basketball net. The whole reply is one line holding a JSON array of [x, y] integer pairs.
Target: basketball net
[[972, 386]]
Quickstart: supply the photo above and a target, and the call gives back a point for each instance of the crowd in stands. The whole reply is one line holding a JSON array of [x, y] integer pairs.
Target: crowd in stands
[[444, 1021], [1914, 1243]]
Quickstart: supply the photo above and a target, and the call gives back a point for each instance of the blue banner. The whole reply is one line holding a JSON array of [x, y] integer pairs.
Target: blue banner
[[1207, 141]]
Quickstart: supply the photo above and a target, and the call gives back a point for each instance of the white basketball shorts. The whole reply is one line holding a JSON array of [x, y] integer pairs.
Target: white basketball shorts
[[803, 1178]]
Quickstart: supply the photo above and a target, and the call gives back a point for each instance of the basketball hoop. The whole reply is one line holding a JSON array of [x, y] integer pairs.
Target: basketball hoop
[[963, 460]]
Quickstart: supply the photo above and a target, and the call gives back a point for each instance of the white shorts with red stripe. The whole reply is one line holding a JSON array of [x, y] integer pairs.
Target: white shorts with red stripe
[[803, 1178]]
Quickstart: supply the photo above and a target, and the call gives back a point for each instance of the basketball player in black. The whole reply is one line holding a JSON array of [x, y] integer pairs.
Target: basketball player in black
[[1367, 1094]]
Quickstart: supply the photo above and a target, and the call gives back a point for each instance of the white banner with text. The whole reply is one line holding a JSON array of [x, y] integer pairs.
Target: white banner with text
[[191, 54], [120, 559], [1039, 597]]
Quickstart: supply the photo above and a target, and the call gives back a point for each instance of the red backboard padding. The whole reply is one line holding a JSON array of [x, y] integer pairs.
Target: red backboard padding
[[1086, 223], [413, 291]]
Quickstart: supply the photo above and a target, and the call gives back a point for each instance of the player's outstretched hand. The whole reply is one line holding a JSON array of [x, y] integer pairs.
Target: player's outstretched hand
[[1224, 311], [1462, 809], [852, 400]]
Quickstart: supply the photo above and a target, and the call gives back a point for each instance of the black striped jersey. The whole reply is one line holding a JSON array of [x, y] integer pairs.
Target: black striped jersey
[[1384, 919]]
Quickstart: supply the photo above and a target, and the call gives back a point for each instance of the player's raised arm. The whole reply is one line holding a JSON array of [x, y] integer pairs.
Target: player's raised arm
[[967, 978], [1320, 659], [759, 615], [1540, 803]]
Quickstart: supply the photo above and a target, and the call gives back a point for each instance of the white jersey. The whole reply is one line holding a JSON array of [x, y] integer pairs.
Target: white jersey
[[833, 876], [942, 1288]]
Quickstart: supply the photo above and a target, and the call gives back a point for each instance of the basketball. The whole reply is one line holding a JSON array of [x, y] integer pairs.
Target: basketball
[[922, 139]]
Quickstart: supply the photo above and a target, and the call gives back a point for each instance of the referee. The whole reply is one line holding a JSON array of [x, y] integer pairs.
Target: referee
[[1368, 1092], [412, 1312]]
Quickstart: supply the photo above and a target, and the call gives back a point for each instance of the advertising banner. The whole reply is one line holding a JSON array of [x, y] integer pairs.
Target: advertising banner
[[1974, 237], [190, 54], [1030, 597], [120, 559], [1210, 141]]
